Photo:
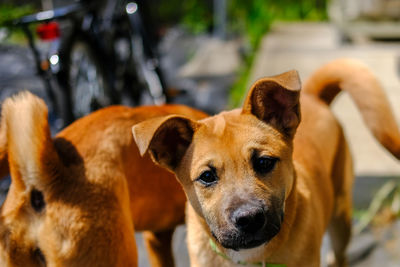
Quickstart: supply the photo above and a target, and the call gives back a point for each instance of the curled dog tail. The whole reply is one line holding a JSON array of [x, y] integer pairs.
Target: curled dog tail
[[355, 78]]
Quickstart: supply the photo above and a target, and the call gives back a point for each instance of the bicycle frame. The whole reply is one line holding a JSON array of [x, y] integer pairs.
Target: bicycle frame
[[98, 27], [47, 65]]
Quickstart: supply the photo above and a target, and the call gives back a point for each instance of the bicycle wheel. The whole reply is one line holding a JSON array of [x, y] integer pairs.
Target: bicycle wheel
[[88, 82], [89, 90]]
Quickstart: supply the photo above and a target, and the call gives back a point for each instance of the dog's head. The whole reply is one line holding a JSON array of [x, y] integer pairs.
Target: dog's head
[[236, 167], [54, 215]]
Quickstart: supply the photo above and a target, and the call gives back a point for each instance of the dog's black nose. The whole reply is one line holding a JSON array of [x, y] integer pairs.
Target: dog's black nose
[[249, 219]]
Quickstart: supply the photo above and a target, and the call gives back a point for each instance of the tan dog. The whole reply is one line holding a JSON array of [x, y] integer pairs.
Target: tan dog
[[260, 192], [76, 200]]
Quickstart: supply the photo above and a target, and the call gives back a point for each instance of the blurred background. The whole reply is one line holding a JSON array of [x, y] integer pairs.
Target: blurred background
[[83, 55]]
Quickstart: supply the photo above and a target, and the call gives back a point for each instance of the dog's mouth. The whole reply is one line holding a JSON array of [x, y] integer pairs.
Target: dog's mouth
[[243, 243], [237, 240]]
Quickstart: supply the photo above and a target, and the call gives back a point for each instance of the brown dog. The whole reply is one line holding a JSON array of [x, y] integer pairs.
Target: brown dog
[[263, 187], [76, 200]]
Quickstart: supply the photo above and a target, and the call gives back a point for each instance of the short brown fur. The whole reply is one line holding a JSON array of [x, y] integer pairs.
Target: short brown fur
[[97, 189], [310, 179]]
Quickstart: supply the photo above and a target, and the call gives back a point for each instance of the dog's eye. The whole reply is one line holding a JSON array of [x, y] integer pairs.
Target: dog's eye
[[37, 200], [264, 164], [208, 178]]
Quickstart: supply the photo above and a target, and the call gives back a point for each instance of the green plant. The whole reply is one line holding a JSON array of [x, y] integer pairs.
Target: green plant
[[195, 15], [10, 12], [386, 201], [254, 18]]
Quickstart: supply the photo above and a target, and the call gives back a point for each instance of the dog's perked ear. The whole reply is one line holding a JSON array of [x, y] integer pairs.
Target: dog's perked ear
[[166, 138], [33, 159], [275, 100]]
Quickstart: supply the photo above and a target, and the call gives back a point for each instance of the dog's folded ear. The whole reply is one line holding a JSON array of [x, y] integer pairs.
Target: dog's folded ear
[[166, 138], [275, 100]]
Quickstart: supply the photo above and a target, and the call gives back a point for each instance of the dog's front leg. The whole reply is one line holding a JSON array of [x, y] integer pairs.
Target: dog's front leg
[[159, 248]]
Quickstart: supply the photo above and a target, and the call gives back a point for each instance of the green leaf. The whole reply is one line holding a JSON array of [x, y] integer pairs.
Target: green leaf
[[377, 202]]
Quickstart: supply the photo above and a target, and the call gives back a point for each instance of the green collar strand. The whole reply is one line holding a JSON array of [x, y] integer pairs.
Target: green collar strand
[[263, 264]]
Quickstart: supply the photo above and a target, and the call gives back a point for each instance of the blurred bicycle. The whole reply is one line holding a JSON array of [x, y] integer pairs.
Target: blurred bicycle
[[92, 54]]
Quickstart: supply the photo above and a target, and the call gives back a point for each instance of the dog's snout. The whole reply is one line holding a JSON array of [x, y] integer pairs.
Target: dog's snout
[[249, 219]]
